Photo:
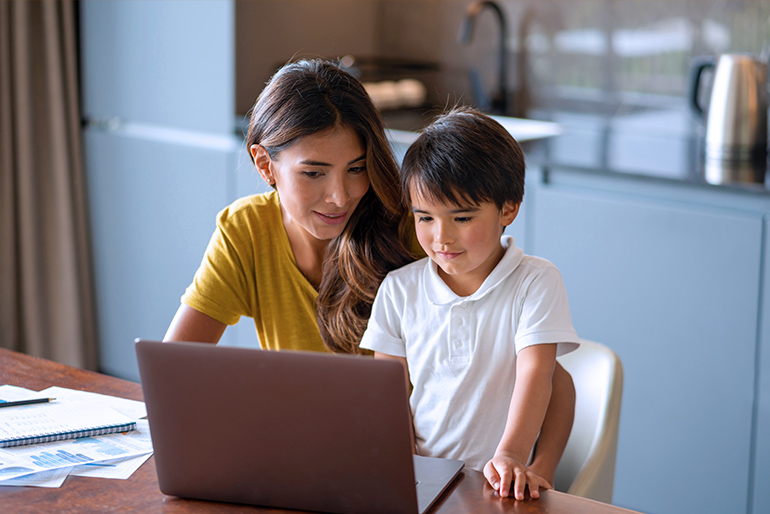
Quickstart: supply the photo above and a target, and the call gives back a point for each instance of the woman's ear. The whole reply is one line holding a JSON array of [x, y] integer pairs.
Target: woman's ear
[[509, 212], [262, 162]]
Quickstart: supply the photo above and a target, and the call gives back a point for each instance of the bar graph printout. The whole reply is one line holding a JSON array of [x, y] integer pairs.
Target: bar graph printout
[[110, 456], [51, 479]]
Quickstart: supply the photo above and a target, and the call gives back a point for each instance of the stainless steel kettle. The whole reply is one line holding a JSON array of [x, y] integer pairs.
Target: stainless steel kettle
[[736, 114]]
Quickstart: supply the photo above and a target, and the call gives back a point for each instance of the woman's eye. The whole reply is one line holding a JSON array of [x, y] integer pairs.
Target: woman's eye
[[358, 169], [424, 219], [312, 174]]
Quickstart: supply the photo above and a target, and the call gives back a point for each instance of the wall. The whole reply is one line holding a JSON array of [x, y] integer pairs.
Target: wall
[[617, 51], [269, 33]]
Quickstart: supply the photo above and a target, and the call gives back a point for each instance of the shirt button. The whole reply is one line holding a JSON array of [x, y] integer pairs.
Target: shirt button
[[458, 343], [458, 321]]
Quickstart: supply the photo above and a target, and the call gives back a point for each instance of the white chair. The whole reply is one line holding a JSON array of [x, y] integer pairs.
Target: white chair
[[587, 467]]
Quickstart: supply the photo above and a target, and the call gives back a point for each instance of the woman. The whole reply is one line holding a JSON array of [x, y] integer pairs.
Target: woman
[[306, 259]]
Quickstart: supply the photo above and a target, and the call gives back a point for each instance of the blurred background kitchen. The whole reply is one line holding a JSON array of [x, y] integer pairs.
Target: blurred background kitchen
[[122, 135]]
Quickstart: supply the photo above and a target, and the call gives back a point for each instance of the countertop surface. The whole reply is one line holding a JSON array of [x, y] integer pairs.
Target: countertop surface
[[662, 144]]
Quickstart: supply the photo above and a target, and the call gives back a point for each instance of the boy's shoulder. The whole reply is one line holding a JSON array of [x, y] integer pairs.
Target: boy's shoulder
[[532, 268], [411, 269], [516, 260], [536, 263], [409, 273]]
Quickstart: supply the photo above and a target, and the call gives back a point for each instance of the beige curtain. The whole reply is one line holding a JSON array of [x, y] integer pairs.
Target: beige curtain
[[46, 302]]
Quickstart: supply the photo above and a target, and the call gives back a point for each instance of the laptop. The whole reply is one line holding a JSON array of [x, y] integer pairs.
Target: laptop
[[291, 430]]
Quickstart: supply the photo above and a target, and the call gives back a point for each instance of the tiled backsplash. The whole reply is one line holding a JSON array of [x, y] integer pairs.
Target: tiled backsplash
[[618, 52]]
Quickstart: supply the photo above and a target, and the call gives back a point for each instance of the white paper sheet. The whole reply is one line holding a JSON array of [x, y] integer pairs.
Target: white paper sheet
[[44, 465], [119, 470], [131, 408], [52, 479]]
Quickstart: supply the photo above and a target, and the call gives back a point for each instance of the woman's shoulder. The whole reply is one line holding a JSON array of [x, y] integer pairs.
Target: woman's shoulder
[[252, 206], [253, 203]]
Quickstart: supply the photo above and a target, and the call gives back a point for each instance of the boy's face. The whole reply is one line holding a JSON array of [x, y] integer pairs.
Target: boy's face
[[463, 240]]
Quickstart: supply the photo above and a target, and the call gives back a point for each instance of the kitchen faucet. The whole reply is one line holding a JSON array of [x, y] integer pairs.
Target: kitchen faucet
[[499, 104]]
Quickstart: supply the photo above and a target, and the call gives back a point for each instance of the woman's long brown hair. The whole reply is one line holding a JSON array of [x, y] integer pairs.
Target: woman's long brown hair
[[310, 96]]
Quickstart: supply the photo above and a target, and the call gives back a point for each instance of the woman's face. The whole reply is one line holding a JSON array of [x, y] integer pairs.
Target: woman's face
[[320, 180]]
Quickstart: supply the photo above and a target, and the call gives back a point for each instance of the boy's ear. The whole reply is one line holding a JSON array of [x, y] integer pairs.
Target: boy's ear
[[262, 163], [509, 212]]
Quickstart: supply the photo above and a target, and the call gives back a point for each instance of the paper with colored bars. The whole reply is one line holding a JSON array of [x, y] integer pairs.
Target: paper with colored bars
[[108, 456]]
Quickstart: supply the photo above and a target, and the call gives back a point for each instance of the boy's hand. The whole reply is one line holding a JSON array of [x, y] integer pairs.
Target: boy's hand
[[503, 471]]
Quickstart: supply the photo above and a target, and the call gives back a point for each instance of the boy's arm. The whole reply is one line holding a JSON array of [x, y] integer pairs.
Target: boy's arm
[[557, 425], [402, 360], [529, 402]]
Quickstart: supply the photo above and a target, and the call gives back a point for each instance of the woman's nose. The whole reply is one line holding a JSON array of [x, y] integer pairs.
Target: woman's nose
[[337, 191]]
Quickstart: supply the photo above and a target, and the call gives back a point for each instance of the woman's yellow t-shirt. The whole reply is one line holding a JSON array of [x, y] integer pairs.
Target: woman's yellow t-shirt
[[249, 270]]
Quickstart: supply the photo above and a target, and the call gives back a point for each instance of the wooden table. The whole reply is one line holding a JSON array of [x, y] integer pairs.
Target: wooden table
[[140, 493]]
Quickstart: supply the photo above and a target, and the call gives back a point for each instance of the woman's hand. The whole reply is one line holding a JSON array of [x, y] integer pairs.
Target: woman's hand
[[505, 470]]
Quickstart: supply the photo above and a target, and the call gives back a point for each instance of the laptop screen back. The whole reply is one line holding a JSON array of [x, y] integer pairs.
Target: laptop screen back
[[292, 430]]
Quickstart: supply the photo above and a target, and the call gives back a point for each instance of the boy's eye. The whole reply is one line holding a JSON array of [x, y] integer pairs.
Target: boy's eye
[[463, 219], [424, 219]]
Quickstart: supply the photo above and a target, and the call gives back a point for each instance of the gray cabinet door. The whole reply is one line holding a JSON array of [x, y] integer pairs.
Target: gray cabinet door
[[158, 93], [161, 62], [674, 290], [153, 206], [761, 491]]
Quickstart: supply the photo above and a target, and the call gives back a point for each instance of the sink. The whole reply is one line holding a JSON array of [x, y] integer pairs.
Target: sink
[[520, 128], [526, 130]]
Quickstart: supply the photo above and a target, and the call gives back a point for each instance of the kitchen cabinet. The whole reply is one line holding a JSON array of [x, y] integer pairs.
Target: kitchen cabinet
[[168, 64], [760, 492], [674, 287], [161, 158], [152, 205]]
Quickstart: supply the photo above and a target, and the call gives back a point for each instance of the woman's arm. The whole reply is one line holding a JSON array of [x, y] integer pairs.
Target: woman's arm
[[528, 406], [194, 326]]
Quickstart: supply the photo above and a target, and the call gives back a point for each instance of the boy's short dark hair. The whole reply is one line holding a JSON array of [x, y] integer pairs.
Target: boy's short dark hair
[[465, 157]]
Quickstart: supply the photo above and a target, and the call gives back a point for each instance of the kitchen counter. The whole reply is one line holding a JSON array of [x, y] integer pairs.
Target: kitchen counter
[[664, 145]]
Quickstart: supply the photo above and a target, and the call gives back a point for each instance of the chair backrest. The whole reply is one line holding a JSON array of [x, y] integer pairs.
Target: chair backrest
[[587, 467]]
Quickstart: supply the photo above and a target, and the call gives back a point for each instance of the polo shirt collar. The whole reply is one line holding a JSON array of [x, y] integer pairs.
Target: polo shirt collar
[[439, 293]]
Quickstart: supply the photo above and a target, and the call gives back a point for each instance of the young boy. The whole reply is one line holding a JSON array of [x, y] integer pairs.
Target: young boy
[[477, 324]]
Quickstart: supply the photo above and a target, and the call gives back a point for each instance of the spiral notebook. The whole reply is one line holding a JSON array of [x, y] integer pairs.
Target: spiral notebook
[[43, 423]]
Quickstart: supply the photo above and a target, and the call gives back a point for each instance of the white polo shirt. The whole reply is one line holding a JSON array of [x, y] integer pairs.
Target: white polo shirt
[[461, 351]]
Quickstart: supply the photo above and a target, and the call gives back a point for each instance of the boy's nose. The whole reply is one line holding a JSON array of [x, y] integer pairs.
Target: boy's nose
[[443, 235]]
